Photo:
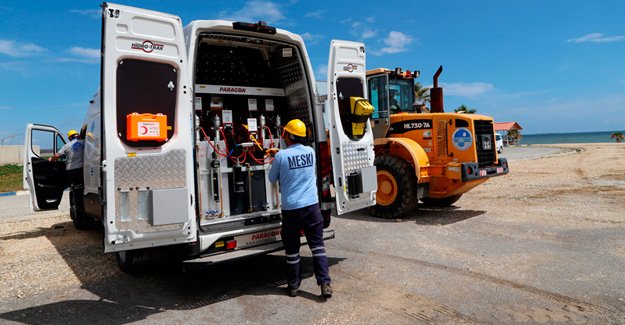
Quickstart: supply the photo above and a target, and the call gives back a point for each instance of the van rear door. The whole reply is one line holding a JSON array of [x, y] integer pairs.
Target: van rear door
[[147, 134], [45, 180], [355, 179]]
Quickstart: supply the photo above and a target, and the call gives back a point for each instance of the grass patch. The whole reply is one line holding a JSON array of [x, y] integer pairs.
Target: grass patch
[[10, 178]]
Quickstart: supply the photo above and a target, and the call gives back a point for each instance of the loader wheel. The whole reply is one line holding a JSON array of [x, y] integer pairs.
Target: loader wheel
[[441, 202], [397, 187]]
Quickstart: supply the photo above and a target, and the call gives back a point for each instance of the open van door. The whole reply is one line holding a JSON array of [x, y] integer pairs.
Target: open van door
[[147, 134], [45, 180], [351, 137]]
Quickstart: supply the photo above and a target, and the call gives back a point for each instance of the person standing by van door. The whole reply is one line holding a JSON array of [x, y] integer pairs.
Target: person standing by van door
[[73, 151], [294, 167]]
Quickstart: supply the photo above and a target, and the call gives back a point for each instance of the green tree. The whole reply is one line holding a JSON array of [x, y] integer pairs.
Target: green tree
[[463, 109], [421, 93], [618, 136]]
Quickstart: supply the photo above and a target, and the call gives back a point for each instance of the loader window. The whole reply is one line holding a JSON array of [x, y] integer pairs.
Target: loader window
[[146, 87], [401, 93], [378, 95]]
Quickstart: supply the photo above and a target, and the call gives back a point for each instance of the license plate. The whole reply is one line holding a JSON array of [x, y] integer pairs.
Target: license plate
[[482, 173], [499, 170], [258, 238]]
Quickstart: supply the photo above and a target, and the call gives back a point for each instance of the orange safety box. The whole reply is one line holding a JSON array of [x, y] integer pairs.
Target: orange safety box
[[144, 127]]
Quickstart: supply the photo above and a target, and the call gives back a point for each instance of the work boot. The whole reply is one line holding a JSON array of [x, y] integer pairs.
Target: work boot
[[292, 292], [326, 291]]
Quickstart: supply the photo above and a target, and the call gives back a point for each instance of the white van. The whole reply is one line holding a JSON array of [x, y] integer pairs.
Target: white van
[[176, 137], [499, 142]]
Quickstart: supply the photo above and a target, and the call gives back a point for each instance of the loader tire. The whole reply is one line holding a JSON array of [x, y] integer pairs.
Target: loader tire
[[440, 202], [397, 188]]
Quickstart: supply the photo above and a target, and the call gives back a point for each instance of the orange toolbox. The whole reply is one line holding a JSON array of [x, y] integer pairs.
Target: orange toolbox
[[144, 127]]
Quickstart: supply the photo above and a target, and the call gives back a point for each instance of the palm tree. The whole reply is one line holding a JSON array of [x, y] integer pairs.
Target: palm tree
[[421, 96], [421, 93], [464, 109], [618, 136]]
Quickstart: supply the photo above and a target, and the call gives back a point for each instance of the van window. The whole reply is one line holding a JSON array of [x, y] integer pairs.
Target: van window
[[145, 87], [346, 88], [45, 143]]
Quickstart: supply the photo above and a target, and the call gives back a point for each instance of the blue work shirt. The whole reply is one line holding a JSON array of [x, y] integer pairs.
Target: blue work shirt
[[294, 167], [73, 151]]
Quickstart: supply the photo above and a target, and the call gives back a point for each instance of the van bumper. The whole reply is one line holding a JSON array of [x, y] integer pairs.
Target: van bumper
[[248, 252]]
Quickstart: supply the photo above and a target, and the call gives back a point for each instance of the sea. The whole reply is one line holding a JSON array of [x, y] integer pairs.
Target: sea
[[574, 137]]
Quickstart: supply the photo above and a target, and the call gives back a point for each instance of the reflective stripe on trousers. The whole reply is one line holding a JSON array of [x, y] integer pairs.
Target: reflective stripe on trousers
[[310, 220]]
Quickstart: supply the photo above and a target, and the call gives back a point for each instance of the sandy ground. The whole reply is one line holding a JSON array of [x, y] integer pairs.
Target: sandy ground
[[543, 244]]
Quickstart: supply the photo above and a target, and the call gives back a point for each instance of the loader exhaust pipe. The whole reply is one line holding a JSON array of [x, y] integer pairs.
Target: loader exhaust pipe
[[436, 94]]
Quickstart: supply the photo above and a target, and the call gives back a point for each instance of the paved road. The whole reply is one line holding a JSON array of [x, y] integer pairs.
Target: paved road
[[531, 152], [18, 206]]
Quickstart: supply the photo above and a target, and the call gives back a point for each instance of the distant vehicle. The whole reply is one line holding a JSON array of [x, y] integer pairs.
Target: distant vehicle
[[499, 142]]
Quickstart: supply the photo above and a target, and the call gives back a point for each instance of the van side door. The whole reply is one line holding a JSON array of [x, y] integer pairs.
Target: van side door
[[351, 137], [45, 180]]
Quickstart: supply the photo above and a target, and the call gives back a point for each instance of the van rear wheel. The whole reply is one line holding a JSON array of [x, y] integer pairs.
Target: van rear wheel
[[129, 261], [397, 187]]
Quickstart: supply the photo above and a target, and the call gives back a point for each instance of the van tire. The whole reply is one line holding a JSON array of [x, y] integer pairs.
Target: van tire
[[79, 219], [399, 193], [128, 261], [441, 202]]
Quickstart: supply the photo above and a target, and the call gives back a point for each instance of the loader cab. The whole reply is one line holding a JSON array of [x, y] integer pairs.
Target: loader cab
[[390, 92]]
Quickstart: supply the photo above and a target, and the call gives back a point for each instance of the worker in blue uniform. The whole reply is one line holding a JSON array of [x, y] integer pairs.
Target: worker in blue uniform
[[294, 167], [73, 151]]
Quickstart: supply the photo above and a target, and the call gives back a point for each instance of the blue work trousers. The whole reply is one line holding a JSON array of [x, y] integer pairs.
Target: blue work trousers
[[293, 222]]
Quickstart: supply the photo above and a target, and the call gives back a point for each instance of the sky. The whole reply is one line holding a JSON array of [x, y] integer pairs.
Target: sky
[[552, 66]]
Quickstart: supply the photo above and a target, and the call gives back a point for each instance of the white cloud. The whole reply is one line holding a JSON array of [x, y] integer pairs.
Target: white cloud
[[19, 49], [359, 29], [596, 38], [368, 33], [312, 38], [86, 53], [316, 14], [16, 66], [81, 55], [396, 42], [254, 11], [322, 72], [467, 89], [91, 13]]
